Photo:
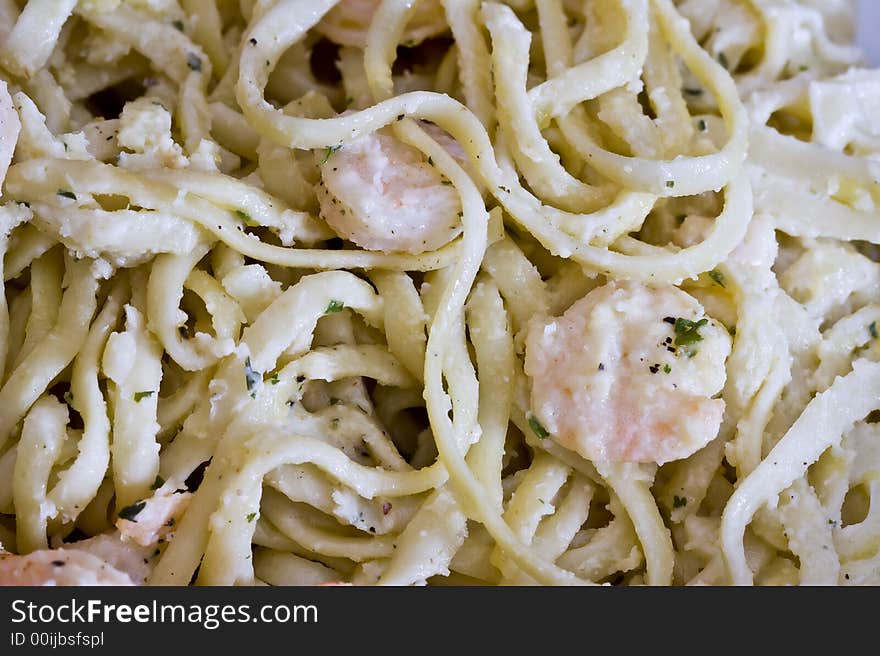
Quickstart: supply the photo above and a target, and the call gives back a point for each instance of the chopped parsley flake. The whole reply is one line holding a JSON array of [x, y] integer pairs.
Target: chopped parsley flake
[[194, 62], [178, 25], [667, 369], [132, 511], [701, 125], [159, 482], [670, 183], [66, 194], [251, 378], [334, 306], [687, 333], [679, 502], [244, 216], [537, 428], [328, 152], [251, 517], [717, 276], [142, 395], [872, 328]]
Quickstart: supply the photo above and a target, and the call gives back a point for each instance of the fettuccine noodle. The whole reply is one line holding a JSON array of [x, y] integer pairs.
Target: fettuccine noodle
[[408, 292]]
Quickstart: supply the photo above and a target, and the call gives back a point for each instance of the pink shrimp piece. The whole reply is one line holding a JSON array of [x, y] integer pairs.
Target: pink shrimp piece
[[383, 195], [157, 518], [628, 373], [348, 22], [59, 567], [335, 584], [122, 557]]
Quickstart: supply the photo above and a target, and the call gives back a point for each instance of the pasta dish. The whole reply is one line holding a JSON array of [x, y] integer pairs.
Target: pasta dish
[[400, 292]]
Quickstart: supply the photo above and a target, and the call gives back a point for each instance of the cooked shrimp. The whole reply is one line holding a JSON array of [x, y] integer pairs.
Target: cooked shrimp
[[627, 374], [384, 195], [347, 23], [59, 567], [123, 557], [9, 129], [157, 517]]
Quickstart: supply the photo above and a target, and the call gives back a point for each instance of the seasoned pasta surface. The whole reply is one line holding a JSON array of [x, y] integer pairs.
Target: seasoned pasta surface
[[399, 292]]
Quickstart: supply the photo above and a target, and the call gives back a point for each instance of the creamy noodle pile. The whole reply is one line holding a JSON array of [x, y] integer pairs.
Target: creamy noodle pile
[[438, 291]]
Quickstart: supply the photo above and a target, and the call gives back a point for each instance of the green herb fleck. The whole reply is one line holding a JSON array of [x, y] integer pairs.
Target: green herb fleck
[[274, 380], [873, 329], [688, 332], [66, 194], [251, 517], [142, 395], [328, 152], [670, 183], [251, 378], [679, 502], [178, 25], [159, 482], [130, 512], [667, 369], [334, 306], [701, 125], [194, 62], [244, 216], [537, 428], [717, 276]]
